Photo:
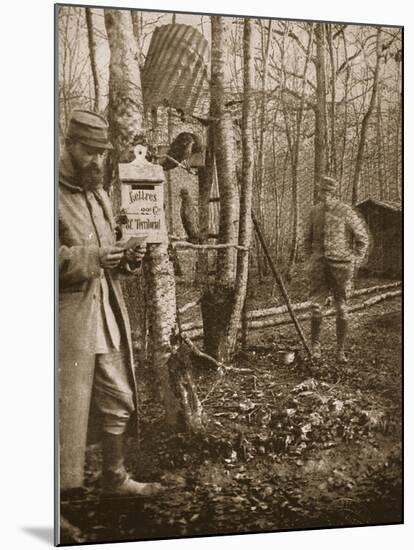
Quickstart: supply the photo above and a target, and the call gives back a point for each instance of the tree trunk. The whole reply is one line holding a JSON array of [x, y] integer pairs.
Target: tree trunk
[[125, 108], [332, 140], [295, 147], [246, 192], [126, 125], [397, 152], [205, 181], [170, 218], [224, 150], [320, 108], [217, 301], [265, 57], [98, 103], [365, 121], [345, 126]]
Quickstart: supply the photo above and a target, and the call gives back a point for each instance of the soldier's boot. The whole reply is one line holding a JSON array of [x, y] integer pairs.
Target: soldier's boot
[[316, 326], [116, 481], [341, 334]]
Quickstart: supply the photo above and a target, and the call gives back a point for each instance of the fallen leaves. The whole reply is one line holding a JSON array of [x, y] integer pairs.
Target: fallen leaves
[[279, 452]]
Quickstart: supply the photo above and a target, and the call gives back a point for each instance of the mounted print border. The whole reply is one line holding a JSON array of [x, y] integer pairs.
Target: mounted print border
[[229, 275]]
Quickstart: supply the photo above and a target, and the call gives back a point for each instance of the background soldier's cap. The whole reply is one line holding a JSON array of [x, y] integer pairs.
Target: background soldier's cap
[[328, 184], [89, 129]]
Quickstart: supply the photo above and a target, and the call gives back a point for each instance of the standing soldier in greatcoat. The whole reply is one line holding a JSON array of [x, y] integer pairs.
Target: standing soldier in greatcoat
[[336, 241], [95, 351]]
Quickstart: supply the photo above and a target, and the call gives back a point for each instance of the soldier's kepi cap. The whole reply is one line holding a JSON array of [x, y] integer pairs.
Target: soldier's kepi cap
[[89, 129], [327, 183]]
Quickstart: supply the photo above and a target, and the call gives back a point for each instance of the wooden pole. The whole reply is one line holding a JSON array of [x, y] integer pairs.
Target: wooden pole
[[281, 284]]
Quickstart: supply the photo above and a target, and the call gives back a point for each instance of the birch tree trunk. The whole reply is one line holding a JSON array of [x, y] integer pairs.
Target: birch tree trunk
[[205, 180], [246, 193], [125, 108], [217, 300], [224, 150], [126, 119]]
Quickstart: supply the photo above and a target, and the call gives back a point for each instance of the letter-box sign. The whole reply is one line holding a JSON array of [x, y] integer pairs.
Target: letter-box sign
[[142, 199]]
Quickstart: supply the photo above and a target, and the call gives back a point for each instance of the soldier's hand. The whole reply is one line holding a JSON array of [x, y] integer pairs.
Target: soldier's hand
[[110, 256], [135, 255]]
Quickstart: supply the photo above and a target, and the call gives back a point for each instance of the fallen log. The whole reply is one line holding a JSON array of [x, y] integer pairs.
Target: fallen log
[[328, 313], [195, 331], [376, 288], [280, 310]]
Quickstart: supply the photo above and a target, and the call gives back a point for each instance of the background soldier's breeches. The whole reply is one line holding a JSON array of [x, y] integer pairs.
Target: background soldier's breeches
[[329, 278]]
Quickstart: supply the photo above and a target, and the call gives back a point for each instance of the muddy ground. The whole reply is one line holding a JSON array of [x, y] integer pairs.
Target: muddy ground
[[284, 447]]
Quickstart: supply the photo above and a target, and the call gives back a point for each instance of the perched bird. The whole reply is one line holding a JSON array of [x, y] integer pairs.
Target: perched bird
[[181, 149], [189, 217]]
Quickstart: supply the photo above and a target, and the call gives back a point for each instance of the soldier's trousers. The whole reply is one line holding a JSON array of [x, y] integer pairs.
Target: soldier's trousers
[[112, 391], [327, 277]]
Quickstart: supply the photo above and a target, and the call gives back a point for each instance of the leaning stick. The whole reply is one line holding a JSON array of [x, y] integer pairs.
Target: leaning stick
[[172, 159], [281, 284]]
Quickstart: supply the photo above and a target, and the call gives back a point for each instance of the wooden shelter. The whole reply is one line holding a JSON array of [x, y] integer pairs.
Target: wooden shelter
[[385, 225]]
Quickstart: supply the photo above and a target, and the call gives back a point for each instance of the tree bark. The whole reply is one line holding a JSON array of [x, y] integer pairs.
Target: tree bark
[[205, 181], [332, 140], [320, 108], [294, 150], [265, 57], [224, 150], [246, 192], [126, 119], [345, 124], [365, 121], [98, 103], [218, 299], [126, 110]]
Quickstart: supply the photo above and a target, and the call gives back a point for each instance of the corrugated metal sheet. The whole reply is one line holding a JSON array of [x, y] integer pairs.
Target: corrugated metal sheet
[[176, 69]]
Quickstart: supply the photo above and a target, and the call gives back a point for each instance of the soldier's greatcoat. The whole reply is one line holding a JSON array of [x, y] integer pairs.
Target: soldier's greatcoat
[[79, 291]]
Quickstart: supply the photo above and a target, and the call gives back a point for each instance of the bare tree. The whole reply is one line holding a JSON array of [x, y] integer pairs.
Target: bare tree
[[263, 108], [294, 140], [365, 120], [219, 298], [246, 192], [98, 103], [320, 107]]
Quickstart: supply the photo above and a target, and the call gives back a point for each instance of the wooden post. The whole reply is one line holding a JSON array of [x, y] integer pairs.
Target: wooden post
[[281, 284]]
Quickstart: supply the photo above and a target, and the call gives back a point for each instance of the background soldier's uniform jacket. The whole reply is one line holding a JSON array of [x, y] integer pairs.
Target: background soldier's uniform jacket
[[336, 234], [336, 241]]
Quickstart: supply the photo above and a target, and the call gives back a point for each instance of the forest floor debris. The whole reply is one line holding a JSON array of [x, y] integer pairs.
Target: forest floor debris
[[282, 449]]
